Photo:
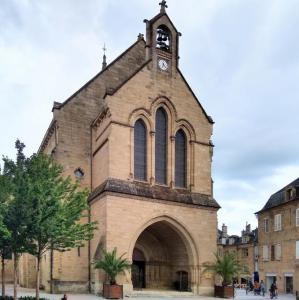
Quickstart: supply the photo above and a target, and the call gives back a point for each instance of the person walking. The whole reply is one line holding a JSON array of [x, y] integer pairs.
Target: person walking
[[273, 290], [262, 287], [64, 297]]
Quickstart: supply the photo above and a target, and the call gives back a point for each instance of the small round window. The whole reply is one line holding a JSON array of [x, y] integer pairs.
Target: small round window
[[79, 173]]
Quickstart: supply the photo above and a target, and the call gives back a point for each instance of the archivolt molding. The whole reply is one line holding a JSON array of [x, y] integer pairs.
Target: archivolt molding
[[164, 102], [141, 113], [177, 226], [187, 127]]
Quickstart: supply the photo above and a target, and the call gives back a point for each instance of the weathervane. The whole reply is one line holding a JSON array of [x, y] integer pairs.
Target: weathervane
[[163, 6]]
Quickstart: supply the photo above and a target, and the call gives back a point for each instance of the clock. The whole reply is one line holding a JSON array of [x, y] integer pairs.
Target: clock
[[163, 64]]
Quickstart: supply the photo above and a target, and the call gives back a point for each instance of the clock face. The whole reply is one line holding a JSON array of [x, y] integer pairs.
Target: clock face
[[163, 64]]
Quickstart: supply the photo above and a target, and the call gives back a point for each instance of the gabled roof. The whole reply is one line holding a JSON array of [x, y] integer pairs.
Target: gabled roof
[[279, 198], [59, 105], [160, 15]]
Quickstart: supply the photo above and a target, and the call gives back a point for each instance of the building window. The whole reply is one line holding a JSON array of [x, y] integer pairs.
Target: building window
[[79, 174], [277, 222], [245, 239], [245, 252], [289, 194], [180, 159], [266, 225], [140, 150], [297, 249], [297, 217], [265, 252], [161, 146]]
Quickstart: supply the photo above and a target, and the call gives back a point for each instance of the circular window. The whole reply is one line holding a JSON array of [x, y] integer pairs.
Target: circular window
[[79, 173]]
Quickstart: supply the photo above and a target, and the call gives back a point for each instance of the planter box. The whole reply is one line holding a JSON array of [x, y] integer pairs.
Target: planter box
[[224, 291], [114, 291]]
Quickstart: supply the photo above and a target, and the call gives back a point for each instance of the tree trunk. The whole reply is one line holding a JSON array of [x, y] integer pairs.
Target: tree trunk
[[15, 277], [37, 276], [51, 271], [3, 275]]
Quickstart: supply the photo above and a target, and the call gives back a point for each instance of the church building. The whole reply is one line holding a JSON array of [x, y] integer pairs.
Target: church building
[[138, 138]]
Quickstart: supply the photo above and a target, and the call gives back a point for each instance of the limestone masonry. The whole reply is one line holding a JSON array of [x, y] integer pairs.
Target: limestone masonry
[[139, 139]]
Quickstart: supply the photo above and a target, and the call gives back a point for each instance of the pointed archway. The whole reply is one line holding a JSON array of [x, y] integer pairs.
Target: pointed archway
[[163, 256]]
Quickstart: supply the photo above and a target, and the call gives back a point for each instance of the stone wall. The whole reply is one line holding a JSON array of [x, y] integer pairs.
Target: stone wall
[[286, 237]]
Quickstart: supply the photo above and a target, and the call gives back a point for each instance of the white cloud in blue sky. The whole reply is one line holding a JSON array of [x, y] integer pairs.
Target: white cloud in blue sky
[[240, 57]]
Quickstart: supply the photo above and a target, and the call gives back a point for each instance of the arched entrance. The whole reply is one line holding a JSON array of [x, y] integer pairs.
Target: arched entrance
[[162, 258]]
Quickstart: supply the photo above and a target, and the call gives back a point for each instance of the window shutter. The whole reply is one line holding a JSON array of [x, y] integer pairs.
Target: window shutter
[[140, 163], [161, 146], [266, 225], [277, 222], [180, 159], [297, 217], [297, 249], [278, 251], [265, 252]]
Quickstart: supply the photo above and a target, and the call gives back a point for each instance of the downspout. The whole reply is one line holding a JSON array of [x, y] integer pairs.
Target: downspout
[[89, 216]]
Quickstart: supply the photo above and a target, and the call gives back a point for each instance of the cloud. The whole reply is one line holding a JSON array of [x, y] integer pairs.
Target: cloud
[[240, 57]]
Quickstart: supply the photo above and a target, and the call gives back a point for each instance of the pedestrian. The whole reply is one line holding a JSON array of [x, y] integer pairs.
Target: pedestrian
[[64, 297], [273, 290], [262, 286]]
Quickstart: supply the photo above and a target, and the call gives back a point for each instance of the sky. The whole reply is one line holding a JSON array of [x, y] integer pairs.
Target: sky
[[241, 58]]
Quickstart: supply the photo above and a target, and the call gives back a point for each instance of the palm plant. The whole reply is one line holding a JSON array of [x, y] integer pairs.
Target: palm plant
[[227, 267], [112, 265]]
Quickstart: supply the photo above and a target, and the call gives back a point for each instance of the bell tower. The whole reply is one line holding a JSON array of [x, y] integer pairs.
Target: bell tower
[[162, 42]]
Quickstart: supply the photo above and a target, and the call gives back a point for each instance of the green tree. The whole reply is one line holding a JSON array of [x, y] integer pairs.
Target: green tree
[[58, 208], [5, 236], [227, 267], [18, 215], [112, 265]]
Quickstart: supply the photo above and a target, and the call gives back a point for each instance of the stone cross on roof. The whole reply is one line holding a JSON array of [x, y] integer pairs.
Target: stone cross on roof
[[163, 6]]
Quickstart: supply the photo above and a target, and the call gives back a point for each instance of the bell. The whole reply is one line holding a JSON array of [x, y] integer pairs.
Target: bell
[[164, 38], [159, 39]]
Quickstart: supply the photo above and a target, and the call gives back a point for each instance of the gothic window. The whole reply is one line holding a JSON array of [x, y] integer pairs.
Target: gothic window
[[140, 150], [161, 146], [180, 159], [163, 38]]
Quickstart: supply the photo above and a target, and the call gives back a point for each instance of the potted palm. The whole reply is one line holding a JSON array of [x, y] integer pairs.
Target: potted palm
[[227, 267], [112, 266]]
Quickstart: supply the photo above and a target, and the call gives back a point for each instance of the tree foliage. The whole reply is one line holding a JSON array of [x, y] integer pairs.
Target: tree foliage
[[227, 267], [112, 265], [43, 209]]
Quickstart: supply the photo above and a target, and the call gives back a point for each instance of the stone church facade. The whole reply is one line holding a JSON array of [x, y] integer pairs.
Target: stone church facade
[[139, 139]]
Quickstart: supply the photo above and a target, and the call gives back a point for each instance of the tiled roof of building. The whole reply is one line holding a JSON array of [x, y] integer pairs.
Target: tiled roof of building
[[279, 198]]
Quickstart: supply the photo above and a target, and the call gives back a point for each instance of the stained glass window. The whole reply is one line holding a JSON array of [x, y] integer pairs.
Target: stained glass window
[[161, 146], [140, 150], [180, 159]]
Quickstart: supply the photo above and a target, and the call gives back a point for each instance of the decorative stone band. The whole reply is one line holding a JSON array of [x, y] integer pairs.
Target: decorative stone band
[[145, 190]]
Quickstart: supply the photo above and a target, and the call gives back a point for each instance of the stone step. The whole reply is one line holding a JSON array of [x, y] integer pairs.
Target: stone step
[[160, 294]]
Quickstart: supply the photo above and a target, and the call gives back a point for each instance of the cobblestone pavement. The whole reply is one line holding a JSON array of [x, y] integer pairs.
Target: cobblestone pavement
[[240, 295]]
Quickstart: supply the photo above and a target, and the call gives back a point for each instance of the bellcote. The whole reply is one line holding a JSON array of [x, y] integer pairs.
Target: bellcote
[[162, 41]]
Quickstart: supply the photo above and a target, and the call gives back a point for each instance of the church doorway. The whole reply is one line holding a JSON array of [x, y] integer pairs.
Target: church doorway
[[138, 269], [161, 259]]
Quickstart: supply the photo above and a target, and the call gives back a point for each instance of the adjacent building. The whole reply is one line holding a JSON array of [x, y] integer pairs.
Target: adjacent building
[[278, 226], [244, 247]]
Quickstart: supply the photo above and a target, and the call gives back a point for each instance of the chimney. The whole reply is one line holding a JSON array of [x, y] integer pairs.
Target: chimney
[[224, 230]]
